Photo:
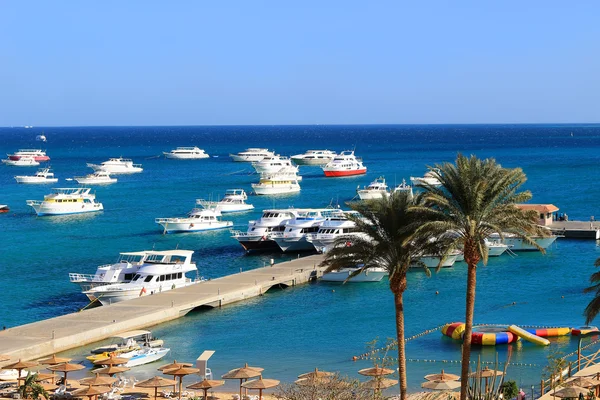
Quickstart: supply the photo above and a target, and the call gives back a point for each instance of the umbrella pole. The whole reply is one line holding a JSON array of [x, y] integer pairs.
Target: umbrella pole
[[260, 394], [205, 393], [241, 379], [65, 378], [155, 392], [180, 386]]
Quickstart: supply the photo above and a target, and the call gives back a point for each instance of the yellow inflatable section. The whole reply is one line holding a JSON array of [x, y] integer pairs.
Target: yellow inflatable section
[[522, 333]]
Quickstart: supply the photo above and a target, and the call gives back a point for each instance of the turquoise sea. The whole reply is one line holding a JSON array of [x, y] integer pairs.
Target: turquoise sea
[[323, 325]]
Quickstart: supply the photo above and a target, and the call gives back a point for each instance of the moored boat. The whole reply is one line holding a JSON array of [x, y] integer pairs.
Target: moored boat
[[98, 177], [515, 243], [197, 220], [22, 162], [314, 157], [429, 179], [117, 165], [257, 235], [36, 154], [293, 237], [277, 183], [251, 155], [66, 201], [373, 274], [4, 208], [186, 153], [376, 190], [274, 164], [344, 164], [43, 175], [233, 201]]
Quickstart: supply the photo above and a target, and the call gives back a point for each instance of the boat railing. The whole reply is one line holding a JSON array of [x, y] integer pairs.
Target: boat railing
[[75, 277], [34, 202], [136, 165]]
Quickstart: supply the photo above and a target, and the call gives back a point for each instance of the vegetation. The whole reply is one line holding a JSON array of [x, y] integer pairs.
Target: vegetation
[[331, 388], [30, 389], [487, 388], [476, 199], [553, 371], [510, 390], [386, 239], [593, 307]]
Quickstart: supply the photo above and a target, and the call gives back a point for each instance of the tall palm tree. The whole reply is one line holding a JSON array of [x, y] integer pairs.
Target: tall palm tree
[[593, 308], [476, 198], [386, 240]]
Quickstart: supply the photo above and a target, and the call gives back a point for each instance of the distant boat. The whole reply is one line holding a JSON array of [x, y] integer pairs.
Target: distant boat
[[41, 138]]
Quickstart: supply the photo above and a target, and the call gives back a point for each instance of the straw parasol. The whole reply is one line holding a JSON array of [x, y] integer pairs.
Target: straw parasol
[[315, 374], [312, 381], [582, 381], [205, 385], [174, 365], [48, 387], [260, 384], [181, 372], [442, 376], [377, 384], [376, 371], [243, 373], [486, 373], [54, 360], [4, 357], [20, 366], [98, 380], [112, 360], [66, 368], [45, 377], [91, 391], [111, 370], [440, 385], [156, 382], [570, 392]]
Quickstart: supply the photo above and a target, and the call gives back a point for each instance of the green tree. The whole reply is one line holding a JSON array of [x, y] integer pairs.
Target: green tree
[[384, 238], [593, 307], [30, 389], [476, 199]]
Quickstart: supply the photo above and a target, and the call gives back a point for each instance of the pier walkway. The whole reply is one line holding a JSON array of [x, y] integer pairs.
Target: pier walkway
[[58, 334], [576, 229]]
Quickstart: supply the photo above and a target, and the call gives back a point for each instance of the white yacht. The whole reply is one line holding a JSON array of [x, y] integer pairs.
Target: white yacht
[[122, 271], [43, 175], [117, 165], [429, 179], [293, 237], [376, 190], [314, 157], [66, 201], [257, 235], [36, 154], [274, 164], [345, 164], [404, 187], [233, 201], [277, 183], [162, 271], [433, 261], [22, 162], [186, 153], [197, 220], [96, 178], [373, 274], [336, 225], [517, 244], [252, 154]]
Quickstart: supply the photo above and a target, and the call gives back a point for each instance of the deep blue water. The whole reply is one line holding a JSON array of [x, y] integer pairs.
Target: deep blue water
[[323, 325]]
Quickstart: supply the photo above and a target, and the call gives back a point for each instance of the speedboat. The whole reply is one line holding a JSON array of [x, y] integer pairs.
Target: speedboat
[[345, 164], [186, 153], [40, 138], [124, 343], [99, 177], [335, 226], [274, 164], [515, 243], [197, 220], [22, 162], [117, 165], [277, 183], [257, 235], [429, 179], [36, 154], [162, 271], [376, 190], [43, 175], [293, 237], [144, 355], [252, 155], [66, 201], [4, 208], [372, 274], [314, 157], [234, 201]]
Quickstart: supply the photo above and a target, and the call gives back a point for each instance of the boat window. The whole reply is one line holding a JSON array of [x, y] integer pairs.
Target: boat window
[[127, 277], [179, 275], [161, 278], [136, 277], [148, 278]]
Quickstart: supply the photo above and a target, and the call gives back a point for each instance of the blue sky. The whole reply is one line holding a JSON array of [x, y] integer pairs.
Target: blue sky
[[76, 63]]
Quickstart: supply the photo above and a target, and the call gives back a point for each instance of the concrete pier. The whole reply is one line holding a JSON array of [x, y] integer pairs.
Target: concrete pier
[[58, 334], [576, 229]]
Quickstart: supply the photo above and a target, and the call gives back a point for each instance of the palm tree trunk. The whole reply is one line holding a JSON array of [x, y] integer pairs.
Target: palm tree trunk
[[398, 302], [470, 310]]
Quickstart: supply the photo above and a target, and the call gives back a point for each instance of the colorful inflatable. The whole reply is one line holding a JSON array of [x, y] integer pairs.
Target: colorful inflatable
[[584, 330], [491, 335], [530, 337], [454, 330], [549, 332]]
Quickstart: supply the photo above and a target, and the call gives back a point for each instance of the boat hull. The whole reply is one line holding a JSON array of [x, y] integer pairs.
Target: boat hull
[[516, 244], [365, 276], [139, 357], [43, 209], [258, 245], [191, 226], [36, 158], [238, 158], [275, 189], [87, 181], [35, 179], [312, 161], [294, 244], [338, 173], [185, 156], [371, 194]]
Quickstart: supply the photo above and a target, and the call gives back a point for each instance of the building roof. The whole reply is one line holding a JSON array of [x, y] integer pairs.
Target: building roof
[[541, 208]]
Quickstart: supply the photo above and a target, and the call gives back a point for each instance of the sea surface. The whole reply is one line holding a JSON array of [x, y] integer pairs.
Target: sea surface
[[323, 325]]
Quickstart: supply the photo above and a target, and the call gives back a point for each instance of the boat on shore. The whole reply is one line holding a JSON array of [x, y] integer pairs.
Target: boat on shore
[[233, 201], [43, 175], [66, 201], [98, 177], [186, 153], [251, 154], [117, 165], [373, 274], [314, 157], [197, 220], [36, 154], [345, 164]]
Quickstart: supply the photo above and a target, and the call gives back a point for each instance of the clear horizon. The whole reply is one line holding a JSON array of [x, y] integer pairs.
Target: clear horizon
[[74, 64]]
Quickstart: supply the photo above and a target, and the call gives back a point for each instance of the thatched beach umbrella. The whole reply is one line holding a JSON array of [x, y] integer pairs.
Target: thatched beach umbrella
[[48, 387], [66, 368], [20, 366], [54, 360], [45, 377], [261, 384], [243, 373], [111, 370], [206, 385], [486, 373], [377, 384], [313, 381], [4, 357], [315, 374], [156, 382], [91, 391], [174, 365], [180, 373], [376, 371], [112, 360], [582, 381], [440, 385], [570, 392], [98, 380], [442, 376]]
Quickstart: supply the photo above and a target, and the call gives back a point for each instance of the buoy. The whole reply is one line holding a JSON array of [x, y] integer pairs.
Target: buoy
[[333, 291], [436, 292]]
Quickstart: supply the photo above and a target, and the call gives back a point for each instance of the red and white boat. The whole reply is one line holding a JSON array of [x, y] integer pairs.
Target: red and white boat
[[345, 164], [36, 154]]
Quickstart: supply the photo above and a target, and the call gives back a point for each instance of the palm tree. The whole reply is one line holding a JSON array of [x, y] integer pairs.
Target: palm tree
[[30, 389], [385, 239], [593, 308], [476, 198]]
